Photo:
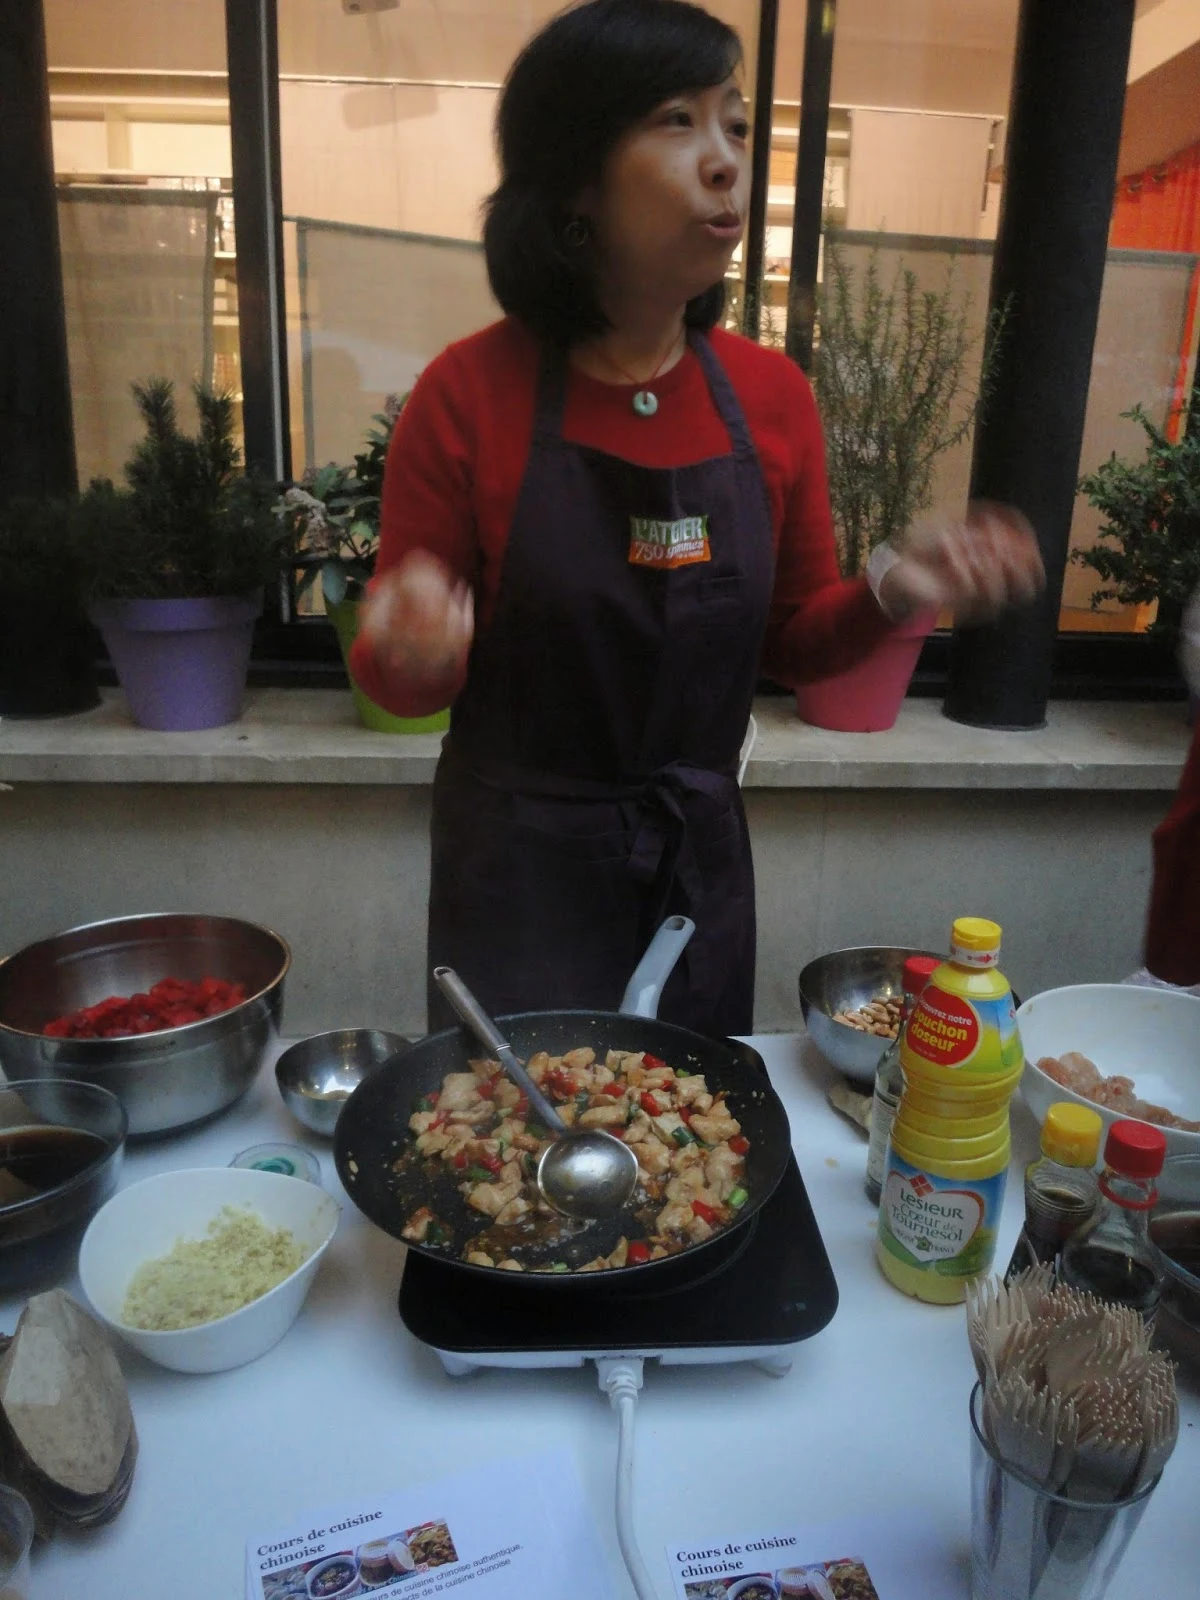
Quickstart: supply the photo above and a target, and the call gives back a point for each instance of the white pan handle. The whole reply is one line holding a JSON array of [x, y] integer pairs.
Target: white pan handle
[[644, 989]]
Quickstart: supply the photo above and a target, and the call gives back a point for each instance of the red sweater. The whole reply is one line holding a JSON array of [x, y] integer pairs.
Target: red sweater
[[458, 456]]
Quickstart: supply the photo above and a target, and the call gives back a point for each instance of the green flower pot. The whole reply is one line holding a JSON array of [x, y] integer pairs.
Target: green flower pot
[[344, 616]]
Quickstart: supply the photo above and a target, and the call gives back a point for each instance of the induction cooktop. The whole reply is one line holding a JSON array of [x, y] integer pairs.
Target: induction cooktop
[[753, 1295]]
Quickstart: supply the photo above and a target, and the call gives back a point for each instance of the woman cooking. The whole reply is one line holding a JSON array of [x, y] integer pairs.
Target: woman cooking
[[602, 517]]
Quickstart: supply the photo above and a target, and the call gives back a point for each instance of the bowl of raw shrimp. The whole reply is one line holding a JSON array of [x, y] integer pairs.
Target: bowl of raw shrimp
[[1124, 1050]]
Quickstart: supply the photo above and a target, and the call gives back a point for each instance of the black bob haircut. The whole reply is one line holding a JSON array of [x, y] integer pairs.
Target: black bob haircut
[[580, 84]]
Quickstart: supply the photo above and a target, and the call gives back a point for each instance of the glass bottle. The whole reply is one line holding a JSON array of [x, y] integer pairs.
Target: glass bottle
[[1061, 1188], [888, 1079], [1111, 1256]]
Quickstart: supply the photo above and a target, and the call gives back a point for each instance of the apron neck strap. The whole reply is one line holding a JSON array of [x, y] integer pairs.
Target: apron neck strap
[[728, 405], [552, 395]]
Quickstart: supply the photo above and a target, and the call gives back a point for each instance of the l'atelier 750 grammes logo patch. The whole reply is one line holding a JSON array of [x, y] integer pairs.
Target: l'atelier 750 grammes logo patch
[[668, 544]]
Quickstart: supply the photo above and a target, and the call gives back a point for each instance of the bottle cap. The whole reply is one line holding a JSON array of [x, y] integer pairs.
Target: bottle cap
[[1071, 1134], [917, 972], [975, 933], [1135, 1149], [975, 942], [290, 1160]]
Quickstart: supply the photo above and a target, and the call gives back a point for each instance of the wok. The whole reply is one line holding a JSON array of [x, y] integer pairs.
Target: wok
[[372, 1131]]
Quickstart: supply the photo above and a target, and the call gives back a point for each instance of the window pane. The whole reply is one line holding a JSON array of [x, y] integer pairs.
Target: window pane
[[387, 139], [1143, 345], [915, 169], [141, 150]]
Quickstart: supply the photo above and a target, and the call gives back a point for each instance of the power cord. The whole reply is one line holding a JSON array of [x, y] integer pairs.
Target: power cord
[[621, 1380]]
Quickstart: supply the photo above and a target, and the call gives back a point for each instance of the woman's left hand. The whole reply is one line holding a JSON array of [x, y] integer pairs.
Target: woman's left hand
[[975, 568]]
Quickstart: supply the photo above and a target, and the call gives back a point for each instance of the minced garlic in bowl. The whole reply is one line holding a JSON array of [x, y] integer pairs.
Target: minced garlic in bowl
[[239, 1260]]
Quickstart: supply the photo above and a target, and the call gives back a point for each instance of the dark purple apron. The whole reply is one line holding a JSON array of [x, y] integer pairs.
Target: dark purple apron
[[588, 786]]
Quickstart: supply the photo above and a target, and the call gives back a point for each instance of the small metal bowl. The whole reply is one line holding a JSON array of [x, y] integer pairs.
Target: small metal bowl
[[844, 980], [317, 1076]]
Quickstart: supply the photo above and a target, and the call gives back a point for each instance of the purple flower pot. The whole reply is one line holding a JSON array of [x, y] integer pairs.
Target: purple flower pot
[[181, 663]]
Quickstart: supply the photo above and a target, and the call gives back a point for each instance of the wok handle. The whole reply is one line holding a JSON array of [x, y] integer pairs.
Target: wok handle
[[472, 1015], [644, 989]]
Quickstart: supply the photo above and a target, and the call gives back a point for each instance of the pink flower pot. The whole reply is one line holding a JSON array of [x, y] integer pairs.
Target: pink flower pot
[[867, 698]]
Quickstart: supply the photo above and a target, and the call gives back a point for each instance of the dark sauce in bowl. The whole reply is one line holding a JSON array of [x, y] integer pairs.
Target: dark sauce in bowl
[[54, 1176], [33, 1160], [1177, 1235]]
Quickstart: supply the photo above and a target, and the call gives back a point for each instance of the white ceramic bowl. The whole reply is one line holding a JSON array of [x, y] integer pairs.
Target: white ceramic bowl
[[1149, 1035], [401, 1557], [146, 1220]]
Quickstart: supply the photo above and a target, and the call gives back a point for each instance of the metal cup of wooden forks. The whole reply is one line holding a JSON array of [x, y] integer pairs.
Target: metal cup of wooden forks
[[1030, 1544]]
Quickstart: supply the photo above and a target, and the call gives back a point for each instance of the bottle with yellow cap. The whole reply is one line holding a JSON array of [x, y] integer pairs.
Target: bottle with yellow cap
[[950, 1148], [1062, 1190]]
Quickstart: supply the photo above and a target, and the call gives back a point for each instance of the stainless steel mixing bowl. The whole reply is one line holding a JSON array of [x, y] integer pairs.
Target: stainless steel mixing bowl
[[844, 980], [165, 1080], [317, 1076]]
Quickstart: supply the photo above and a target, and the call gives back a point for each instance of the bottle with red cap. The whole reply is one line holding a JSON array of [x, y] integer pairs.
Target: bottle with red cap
[[889, 1080], [1112, 1256]]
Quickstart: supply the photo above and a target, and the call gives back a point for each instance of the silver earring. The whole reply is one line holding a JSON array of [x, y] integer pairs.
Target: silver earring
[[577, 232]]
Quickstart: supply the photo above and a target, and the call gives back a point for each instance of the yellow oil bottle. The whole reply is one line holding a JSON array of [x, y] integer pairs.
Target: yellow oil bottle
[[948, 1158]]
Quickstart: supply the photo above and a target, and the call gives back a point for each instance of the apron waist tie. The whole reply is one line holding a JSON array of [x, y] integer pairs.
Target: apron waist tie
[[662, 857]]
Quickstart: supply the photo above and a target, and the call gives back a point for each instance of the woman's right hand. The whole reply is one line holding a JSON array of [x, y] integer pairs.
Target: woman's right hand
[[419, 620]]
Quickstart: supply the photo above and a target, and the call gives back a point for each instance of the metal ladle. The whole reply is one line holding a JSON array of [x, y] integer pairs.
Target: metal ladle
[[584, 1172]]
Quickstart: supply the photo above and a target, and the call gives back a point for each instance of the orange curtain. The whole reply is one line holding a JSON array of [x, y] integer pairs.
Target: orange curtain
[[1159, 209]]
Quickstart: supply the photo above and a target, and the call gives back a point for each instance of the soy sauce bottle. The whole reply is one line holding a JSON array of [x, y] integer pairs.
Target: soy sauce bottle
[[1111, 1256], [1061, 1189]]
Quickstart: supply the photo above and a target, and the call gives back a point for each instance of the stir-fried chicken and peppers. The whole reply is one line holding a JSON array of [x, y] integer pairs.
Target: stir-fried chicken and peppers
[[690, 1149]]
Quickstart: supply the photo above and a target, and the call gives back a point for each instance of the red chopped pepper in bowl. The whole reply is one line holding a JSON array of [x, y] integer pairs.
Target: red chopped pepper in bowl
[[170, 1003]]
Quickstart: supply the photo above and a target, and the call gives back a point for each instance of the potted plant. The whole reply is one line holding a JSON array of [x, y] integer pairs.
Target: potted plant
[[1150, 537], [890, 374], [174, 563], [46, 642], [332, 521]]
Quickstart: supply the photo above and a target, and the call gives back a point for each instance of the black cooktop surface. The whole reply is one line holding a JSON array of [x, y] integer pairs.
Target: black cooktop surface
[[767, 1283]]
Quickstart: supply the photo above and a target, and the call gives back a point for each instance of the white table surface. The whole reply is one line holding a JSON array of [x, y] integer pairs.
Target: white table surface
[[871, 1420]]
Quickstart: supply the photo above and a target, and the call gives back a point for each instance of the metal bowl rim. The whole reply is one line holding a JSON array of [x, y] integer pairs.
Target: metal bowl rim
[[21, 1208], [338, 1033], [158, 1033], [849, 950]]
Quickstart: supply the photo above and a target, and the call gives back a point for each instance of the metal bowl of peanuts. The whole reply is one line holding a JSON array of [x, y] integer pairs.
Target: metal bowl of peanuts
[[851, 1001]]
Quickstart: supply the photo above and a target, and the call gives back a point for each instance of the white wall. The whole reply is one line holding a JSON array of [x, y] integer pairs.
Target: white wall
[[1161, 31], [416, 159], [342, 873]]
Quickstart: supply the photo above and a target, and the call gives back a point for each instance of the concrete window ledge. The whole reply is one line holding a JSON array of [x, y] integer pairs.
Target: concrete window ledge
[[302, 736]]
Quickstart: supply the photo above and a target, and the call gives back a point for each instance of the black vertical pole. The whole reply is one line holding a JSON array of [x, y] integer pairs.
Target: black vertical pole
[[36, 425], [760, 167], [809, 208], [1061, 168], [253, 64]]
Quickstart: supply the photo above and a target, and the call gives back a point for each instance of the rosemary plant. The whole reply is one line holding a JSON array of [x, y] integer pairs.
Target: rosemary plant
[[890, 374]]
